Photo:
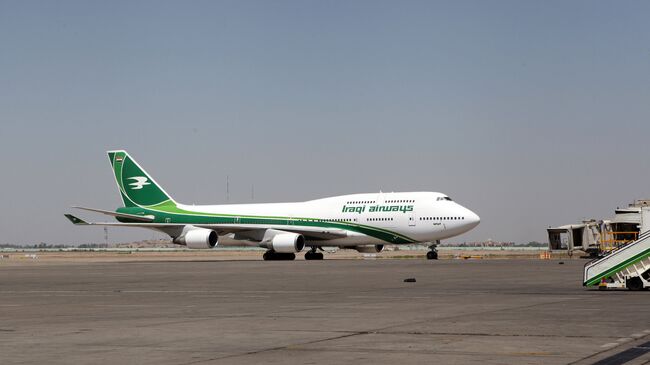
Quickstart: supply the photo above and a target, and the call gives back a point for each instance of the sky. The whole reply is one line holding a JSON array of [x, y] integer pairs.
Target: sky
[[530, 113]]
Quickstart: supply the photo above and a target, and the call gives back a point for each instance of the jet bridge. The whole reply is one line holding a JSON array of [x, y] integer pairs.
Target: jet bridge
[[624, 267], [599, 237], [572, 237]]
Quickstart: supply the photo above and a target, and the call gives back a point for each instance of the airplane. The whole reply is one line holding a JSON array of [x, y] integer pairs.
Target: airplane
[[363, 222]]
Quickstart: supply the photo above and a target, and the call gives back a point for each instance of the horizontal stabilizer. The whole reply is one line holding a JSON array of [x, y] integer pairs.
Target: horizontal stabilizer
[[141, 218], [75, 220]]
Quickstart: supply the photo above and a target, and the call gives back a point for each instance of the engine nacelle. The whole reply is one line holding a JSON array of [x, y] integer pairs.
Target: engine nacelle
[[287, 243], [198, 238], [369, 248]]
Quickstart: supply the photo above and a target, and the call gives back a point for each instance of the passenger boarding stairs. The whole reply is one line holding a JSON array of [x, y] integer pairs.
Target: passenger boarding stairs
[[626, 267]]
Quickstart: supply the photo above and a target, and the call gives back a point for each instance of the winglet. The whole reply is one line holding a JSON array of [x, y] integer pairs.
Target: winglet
[[75, 220]]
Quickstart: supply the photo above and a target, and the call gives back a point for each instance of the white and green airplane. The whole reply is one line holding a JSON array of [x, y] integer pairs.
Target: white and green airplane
[[364, 222]]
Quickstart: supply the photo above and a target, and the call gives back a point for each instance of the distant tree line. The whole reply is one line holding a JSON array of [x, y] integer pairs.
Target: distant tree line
[[535, 244], [44, 245], [493, 244]]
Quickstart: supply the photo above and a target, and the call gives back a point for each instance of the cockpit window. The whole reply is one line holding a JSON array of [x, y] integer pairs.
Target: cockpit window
[[443, 198]]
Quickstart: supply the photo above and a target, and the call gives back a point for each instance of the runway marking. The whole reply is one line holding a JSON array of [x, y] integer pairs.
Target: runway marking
[[611, 344], [385, 297], [626, 355], [624, 339], [220, 296], [465, 315], [126, 305], [293, 346], [302, 306], [463, 334]]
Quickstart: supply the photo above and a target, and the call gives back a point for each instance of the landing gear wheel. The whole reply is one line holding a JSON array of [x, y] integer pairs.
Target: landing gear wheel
[[272, 255], [433, 253], [311, 255], [634, 283]]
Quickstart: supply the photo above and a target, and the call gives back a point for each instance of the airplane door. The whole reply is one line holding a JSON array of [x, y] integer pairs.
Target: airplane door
[[412, 219]]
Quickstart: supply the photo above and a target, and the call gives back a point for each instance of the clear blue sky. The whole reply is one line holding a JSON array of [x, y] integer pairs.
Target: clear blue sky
[[531, 113]]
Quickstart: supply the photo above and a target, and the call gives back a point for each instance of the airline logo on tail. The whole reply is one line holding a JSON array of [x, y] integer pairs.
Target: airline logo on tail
[[140, 182]]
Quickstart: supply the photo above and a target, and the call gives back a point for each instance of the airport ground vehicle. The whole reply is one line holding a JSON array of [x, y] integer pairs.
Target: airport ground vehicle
[[627, 266]]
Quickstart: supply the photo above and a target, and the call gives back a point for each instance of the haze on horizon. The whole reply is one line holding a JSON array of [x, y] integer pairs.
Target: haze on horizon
[[529, 113]]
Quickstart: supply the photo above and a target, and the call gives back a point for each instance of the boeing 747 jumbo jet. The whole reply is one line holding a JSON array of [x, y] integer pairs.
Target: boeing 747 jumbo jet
[[364, 222]]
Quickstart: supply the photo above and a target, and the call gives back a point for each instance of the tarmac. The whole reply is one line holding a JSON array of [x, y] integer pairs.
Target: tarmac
[[336, 311]]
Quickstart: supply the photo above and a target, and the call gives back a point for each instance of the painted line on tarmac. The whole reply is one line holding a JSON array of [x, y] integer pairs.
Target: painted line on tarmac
[[626, 355], [611, 344], [126, 305]]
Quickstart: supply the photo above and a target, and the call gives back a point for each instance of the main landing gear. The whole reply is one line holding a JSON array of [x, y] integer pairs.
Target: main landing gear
[[433, 254], [313, 255], [272, 255]]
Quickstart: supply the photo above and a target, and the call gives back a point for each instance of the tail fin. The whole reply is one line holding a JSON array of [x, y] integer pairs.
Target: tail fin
[[137, 188]]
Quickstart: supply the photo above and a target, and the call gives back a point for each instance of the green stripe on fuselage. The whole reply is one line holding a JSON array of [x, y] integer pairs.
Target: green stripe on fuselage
[[168, 212]]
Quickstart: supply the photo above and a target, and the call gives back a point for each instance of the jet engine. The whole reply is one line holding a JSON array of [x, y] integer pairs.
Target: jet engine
[[369, 248], [286, 243], [198, 238]]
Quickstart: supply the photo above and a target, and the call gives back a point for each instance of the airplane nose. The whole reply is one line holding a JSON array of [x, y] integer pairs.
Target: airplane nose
[[472, 219]]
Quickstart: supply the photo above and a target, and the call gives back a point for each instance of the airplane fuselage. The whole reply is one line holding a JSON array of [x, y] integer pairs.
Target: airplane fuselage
[[379, 218], [365, 222]]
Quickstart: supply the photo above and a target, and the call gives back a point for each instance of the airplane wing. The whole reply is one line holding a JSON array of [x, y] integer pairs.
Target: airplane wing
[[249, 230]]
